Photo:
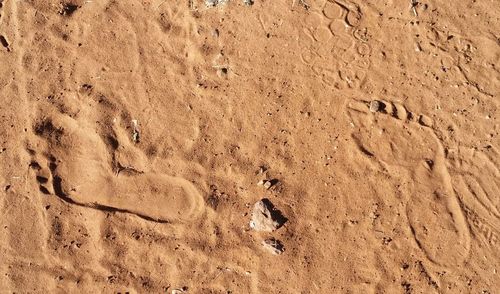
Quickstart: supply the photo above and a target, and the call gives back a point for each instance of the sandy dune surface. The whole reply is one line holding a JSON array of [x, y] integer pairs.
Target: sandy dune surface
[[138, 136]]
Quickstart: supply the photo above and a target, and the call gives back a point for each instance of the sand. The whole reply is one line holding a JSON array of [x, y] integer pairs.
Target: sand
[[137, 136]]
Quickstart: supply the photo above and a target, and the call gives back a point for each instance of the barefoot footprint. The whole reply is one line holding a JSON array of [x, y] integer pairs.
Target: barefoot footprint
[[82, 173], [391, 136]]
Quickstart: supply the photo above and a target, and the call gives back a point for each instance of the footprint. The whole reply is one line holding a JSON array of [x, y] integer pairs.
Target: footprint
[[476, 180], [85, 171], [409, 150], [475, 58]]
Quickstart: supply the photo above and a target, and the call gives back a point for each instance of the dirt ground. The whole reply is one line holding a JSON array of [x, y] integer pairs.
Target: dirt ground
[[136, 137]]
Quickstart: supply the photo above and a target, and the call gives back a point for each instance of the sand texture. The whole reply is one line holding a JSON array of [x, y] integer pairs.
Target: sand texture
[[267, 146]]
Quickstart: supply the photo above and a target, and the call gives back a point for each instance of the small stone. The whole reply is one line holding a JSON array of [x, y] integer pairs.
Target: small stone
[[211, 3], [267, 183], [261, 171], [248, 2], [376, 105], [135, 131], [265, 217], [274, 246]]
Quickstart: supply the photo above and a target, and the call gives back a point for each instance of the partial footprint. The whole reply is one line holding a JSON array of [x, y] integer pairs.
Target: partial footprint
[[476, 181], [333, 45], [411, 152], [84, 171], [476, 59]]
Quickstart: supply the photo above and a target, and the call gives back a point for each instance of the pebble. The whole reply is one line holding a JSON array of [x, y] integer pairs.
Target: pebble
[[265, 217], [274, 246], [267, 183], [375, 106], [262, 169], [211, 3]]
